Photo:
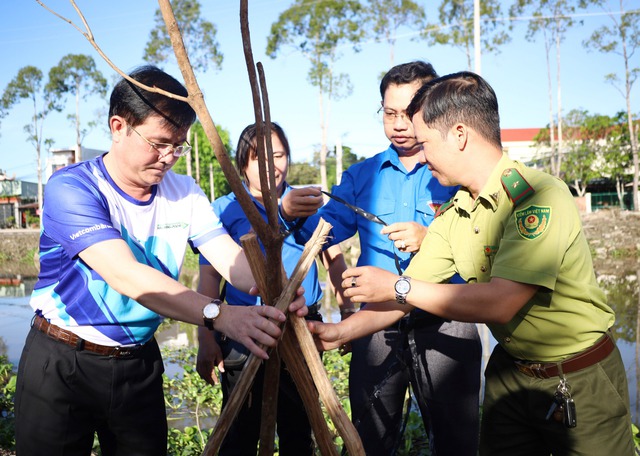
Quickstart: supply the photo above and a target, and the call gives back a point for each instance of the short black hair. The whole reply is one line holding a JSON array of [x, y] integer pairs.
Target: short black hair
[[135, 105], [248, 146], [408, 73], [460, 97]]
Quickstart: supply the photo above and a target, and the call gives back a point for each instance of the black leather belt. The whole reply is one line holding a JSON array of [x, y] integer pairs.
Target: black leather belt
[[69, 338], [313, 309], [596, 353]]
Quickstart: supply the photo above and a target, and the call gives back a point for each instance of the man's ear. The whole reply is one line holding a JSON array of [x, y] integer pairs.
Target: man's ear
[[118, 128], [461, 135]]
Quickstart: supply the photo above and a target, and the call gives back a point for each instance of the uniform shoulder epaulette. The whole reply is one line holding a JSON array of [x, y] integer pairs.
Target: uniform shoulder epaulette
[[516, 186], [443, 208]]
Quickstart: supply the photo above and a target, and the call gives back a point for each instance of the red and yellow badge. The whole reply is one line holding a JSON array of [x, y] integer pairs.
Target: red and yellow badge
[[532, 221]]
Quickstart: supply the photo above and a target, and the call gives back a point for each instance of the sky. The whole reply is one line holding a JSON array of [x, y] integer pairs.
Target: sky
[[31, 35]]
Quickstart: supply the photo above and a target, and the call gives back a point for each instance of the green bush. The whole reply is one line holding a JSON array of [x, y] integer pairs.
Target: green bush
[[33, 220], [7, 413], [191, 399], [192, 405]]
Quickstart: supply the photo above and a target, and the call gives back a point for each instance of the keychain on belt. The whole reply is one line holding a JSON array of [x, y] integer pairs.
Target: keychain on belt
[[563, 407]]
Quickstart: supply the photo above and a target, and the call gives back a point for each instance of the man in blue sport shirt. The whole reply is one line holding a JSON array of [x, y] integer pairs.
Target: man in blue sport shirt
[[439, 358], [115, 232]]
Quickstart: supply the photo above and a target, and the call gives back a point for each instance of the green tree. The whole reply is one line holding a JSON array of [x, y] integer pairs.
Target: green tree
[[303, 173], [455, 26], [317, 28], [622, 37], [385, 17], [618, 155], [198, 34], [586, 144], [76, 74], [28, 85], [205, 161]]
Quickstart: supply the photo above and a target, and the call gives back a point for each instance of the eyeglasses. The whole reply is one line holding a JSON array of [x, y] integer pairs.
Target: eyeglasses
[[165, 149], [390, 116]]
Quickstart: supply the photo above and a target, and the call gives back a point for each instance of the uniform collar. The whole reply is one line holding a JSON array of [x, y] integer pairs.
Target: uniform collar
[[391, 157], [491, 193]]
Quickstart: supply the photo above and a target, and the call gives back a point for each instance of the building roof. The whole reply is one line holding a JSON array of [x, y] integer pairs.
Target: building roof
[[518, 134]]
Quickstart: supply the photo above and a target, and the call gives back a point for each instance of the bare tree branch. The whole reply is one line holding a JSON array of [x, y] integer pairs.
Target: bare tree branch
[[196, 100], [89, 36]]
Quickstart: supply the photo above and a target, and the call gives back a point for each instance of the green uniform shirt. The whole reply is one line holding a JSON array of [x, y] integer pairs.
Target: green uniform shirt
[[536, 240]]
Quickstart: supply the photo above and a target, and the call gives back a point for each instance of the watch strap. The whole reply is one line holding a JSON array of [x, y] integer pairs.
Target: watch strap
[[401, 298], [208, 322]]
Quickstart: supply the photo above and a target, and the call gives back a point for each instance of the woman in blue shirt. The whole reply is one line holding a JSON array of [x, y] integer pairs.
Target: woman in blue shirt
[[294, 430]]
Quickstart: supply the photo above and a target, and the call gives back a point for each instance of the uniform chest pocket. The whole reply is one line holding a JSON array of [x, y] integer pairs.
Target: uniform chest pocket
[[382, 207]]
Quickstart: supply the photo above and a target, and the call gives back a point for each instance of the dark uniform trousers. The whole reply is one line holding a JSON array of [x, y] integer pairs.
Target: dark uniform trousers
[[441, 360]]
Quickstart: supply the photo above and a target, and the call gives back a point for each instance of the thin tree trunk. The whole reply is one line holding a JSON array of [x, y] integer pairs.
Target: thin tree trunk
[[633, 132], [559, 89], [323, 145], [37, 131], [638, 356], [477, 46], [552, 127], [188, 157], [197, 152], [78, 151], [338, 160]]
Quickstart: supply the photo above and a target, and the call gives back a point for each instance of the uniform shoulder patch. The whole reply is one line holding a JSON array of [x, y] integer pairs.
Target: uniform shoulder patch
[[443, 208], [516, 186], [532, 221]]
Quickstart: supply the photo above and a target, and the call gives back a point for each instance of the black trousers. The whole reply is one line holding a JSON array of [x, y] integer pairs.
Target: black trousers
[[441, 361], [64, 396]]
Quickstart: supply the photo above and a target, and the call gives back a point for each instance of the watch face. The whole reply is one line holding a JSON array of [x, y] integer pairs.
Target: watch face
[[403, 286], [211, 310]]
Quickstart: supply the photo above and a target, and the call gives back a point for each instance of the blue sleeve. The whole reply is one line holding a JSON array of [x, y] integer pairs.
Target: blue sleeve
[[342, 219], [75, 213]]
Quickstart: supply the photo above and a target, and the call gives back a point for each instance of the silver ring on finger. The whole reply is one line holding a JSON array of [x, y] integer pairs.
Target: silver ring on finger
[[353, 282]]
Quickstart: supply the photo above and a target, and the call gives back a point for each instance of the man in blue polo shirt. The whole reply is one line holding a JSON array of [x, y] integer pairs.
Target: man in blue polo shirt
[[438, 357]]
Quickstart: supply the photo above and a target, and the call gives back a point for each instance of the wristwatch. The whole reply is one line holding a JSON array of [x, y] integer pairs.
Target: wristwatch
[[402, 287], [210, 312]]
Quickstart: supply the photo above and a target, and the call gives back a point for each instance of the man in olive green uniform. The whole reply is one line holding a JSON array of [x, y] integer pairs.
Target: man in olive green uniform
[[555, 383]]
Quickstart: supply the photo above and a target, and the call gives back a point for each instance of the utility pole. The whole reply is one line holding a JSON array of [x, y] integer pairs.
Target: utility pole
[[477, 63]]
